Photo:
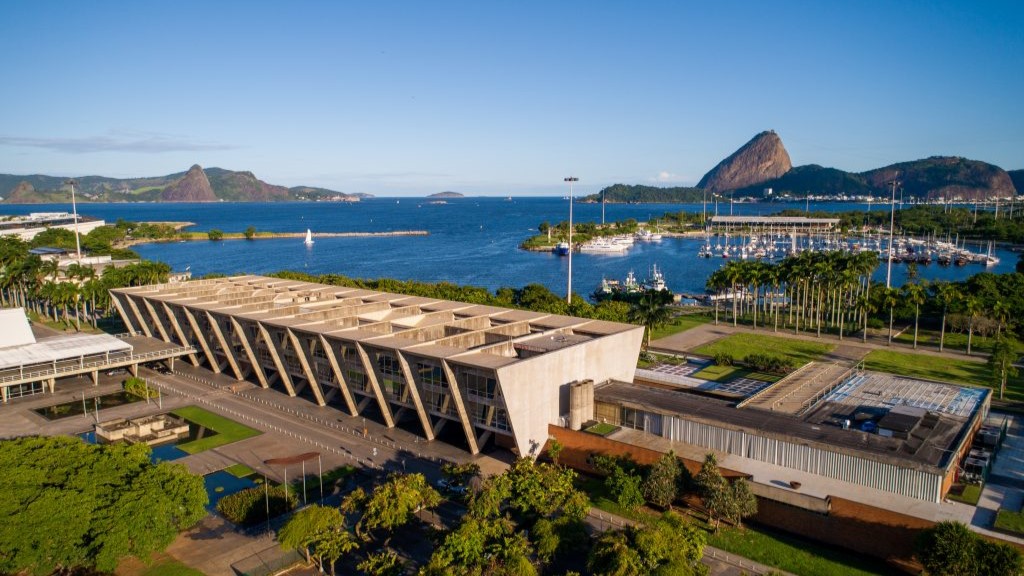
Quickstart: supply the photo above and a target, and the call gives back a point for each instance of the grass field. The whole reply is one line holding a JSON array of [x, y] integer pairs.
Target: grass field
[[602, 429], [740, 345], [161, 565], [1010, 521], [941, 369], [680, 324], [228, 431], [717, 373], [953, 341], [792, 554], [970, 494], [239, 470]]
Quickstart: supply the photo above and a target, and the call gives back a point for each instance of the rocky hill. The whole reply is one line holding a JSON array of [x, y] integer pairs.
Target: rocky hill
[[196, 185], [1017, 177], [761, 159], [193, 187], [446, 194]]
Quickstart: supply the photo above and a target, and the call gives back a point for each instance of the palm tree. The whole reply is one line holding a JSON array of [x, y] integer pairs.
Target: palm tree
[[864, 307], [890, 297], [972, 305], [915, 294], [948, 294], [650, 311], [1001, 310], [716, 281]]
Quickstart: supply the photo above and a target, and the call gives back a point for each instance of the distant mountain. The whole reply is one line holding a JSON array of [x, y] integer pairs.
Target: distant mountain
[[938, 177], [761, 159], [447, 195], [195, 185], [1017, 177], [624, 193]]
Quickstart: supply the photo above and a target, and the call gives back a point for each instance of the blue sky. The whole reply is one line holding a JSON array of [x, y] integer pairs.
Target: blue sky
[[410, 98]]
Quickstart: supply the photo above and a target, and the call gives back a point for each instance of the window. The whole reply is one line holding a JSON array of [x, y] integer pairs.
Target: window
[[480, 385]]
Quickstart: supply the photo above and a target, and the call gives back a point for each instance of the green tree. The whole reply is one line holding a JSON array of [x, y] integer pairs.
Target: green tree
[[671, 545], [1000, 362], [250, 233], [998, 558], [915, 294], [714, 490], [320, 533], [651, 312], [215, 234], [661, 487], [555, 450], [744, 503], [383, 563], [393, 503], [948, 548], [69, 505]]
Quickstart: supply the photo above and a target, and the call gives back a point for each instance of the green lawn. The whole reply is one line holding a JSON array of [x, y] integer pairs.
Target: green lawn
[[228, 431], [239, 470], [957, 341], [680, 324], [602, 429], [793, 554], [941, 369], [602, 500], [970, 495], [1010, 521], [718, 373], [739, 346]]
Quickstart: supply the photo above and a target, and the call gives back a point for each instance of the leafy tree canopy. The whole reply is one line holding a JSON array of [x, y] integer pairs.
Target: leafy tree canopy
[[71, 505]]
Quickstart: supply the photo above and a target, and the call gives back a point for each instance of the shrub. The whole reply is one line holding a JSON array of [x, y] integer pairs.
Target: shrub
[[723, 359], [215, 234], [250, 505], [137, 387], [769, 363]]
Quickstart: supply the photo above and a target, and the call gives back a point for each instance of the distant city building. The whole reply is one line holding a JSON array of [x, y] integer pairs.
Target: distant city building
[[27, 227]]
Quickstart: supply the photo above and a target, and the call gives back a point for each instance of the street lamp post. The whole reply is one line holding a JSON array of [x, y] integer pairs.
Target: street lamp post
[[892, 225], [74, 211], [568, 292]]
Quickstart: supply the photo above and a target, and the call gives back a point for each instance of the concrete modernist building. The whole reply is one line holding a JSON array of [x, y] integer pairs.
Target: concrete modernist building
[[495, 373]]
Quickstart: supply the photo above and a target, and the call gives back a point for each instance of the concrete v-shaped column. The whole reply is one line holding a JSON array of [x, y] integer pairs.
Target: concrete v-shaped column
[[229, 351], [275, 355], [156, 320], [303, 355], [138, 316], [124, 314], [410, 385], [339, 375], [371, 376], [460, 407], [202, 339], [181, 333], [257, 368]]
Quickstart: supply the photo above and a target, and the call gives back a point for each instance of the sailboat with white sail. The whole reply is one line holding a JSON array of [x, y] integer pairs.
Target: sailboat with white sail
[[309, 237]]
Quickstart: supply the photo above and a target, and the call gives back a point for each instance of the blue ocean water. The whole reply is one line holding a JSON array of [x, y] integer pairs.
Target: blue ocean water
[[472, 241]]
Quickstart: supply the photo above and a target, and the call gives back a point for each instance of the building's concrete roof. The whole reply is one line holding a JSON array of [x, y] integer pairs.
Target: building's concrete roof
[[933, 453], [14, 328], [427, 326]]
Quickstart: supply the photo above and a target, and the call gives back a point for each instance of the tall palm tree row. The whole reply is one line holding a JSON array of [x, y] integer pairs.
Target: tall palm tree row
[[69, 295], [818, 290]]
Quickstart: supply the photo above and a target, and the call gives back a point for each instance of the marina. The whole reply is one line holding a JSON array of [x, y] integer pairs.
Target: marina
[[484, 233]]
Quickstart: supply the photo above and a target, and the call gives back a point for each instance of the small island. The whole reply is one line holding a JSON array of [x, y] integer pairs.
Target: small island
[[447, 195]]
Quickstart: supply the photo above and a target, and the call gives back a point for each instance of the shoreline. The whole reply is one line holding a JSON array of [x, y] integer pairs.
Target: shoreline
[[203, 237]]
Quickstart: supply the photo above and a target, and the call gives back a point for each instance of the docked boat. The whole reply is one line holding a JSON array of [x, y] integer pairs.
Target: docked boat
[[656, 281], [562, 249], [602, 246]]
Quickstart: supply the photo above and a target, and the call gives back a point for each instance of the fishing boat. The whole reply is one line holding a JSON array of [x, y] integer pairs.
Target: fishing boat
[[309, 238], [656, 281]]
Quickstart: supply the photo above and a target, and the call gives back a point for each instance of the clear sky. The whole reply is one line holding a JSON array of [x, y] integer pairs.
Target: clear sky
[[487, 97]]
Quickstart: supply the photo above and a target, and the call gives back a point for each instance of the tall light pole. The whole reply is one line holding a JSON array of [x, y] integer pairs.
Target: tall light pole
[[602, 206], [568, 292], [892, 225], [74, 211]]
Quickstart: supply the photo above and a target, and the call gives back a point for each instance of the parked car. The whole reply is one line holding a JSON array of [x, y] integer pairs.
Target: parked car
[[117, 371], [451, 487]]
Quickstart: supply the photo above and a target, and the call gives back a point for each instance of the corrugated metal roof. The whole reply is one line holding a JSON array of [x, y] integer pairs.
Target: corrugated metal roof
[[57, 348]]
